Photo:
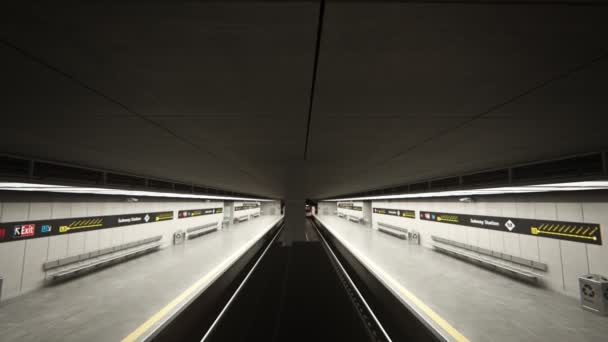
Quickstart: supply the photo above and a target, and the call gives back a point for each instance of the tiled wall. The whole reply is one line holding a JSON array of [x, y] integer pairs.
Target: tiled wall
[[246, 212], [354, 213], [271, 208], [566, 260], [21, 261], [327, 208]]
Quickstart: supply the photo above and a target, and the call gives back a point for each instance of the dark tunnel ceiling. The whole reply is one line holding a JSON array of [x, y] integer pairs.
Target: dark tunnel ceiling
[[218, 93]]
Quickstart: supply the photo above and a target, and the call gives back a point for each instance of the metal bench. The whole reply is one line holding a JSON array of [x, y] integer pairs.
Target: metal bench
[[257, 214], [241, 218], [354, 218], [490, 259], [499, 255], [341, 214], [86, 262], [194, 232], [395, 231]]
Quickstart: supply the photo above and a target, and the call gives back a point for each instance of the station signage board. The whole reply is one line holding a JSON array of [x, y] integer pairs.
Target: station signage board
[[350, 206], [395, 212], [198, 212], [572, 231], [15, 231], [247, 205]]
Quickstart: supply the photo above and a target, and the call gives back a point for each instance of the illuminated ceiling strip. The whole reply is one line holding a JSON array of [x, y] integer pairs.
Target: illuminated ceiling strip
[[571, 186], [12, 186]]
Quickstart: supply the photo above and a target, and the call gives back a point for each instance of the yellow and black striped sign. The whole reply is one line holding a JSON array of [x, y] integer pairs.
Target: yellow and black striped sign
[[577, 231], [572, 231], [395, 212]]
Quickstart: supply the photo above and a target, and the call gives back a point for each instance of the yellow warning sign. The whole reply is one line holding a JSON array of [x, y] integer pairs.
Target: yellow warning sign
[[583, 232], [82, 224]]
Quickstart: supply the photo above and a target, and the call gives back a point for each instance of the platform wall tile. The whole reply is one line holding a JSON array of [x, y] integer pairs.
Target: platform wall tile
[[105, 238], [527, 243], [117, 236], [598, 255], [39, 211], [36, 251], [551, 254], [76, 243], [484, 238], [96, 209], [549, 250], [529, 247], [78, 210], [58, 247], [496, 241], [15, 211], [511, 244], [11, 268], [91, 241], [574, 254], [510, 241], [12, 253]]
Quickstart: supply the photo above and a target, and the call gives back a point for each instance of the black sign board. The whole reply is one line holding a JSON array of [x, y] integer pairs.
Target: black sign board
[[198, 212], [15, 231], [571, 231], [395, 212], [247, 205], [349, 206]]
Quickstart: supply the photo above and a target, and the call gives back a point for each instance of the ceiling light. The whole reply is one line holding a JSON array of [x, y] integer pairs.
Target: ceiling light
[[569, 186], [13, 186]]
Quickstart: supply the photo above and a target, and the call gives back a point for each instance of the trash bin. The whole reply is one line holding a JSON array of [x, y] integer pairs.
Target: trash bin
[[413, 237], [594, 293], [179, 237]]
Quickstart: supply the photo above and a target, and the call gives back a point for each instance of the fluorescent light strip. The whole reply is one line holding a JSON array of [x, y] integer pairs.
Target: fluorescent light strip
[[10, 186], [571, 186]]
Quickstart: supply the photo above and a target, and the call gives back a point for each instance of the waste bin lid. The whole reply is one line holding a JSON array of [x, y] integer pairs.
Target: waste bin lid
[[595, 277]]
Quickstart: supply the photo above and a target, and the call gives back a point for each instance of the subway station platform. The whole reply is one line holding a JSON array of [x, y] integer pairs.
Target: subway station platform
[[463, 301], [129, 299]]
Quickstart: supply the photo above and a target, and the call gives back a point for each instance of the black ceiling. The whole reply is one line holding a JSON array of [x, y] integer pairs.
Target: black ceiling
[[219, 93]]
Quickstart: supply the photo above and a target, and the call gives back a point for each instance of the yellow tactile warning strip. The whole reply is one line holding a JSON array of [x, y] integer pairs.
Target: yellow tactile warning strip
[[198, 286], [418, 304]]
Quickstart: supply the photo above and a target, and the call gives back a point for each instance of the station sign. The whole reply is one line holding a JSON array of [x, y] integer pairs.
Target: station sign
[[395, 212], [247, 205], [198, 212], [572, 231], [15, 231], [350, 206]]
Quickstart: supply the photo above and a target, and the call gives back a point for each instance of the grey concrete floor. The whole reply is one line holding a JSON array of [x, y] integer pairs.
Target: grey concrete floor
[[481, 304], [109, 304]]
